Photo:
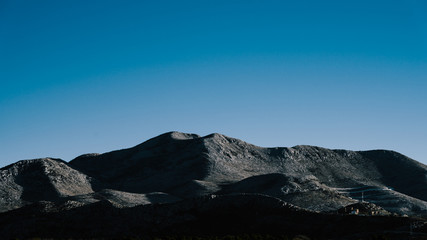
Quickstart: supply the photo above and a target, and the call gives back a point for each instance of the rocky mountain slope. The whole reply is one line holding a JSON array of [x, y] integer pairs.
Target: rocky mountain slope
[[187, 165], [46, 179], [176, 167]]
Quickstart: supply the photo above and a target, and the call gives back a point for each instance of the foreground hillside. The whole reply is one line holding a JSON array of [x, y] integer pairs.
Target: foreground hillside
[[239, 214], [176, 170]]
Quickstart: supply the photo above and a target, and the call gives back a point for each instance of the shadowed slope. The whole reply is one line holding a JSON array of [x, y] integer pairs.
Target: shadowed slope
[[403, 174], [159, 164]]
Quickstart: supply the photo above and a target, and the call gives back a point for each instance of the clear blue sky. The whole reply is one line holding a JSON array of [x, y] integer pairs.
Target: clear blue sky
[[94, 76]]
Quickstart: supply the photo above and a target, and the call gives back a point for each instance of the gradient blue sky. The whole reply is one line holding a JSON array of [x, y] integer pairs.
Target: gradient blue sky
[[94, 76]]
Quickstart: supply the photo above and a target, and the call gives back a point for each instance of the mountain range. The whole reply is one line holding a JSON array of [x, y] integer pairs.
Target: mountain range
[[162, 182]]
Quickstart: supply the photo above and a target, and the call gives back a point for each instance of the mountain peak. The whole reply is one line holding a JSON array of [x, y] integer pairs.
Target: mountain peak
[[36, 161], [214, 135], [180, 135], [167, 137]]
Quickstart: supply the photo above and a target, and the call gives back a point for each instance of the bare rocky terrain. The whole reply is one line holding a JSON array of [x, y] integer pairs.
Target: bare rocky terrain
[[176, 180]]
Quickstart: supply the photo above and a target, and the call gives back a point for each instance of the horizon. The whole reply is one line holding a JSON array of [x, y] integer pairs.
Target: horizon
[[202, 136], [81, 77]]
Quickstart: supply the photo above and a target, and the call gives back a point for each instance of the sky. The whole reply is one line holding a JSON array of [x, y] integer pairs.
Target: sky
[[95, 76]]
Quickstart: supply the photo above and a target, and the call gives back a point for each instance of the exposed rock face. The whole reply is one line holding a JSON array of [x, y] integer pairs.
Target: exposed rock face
[[186, 165], [307, 193], [40, 179], [364, 209], [178, 166]]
